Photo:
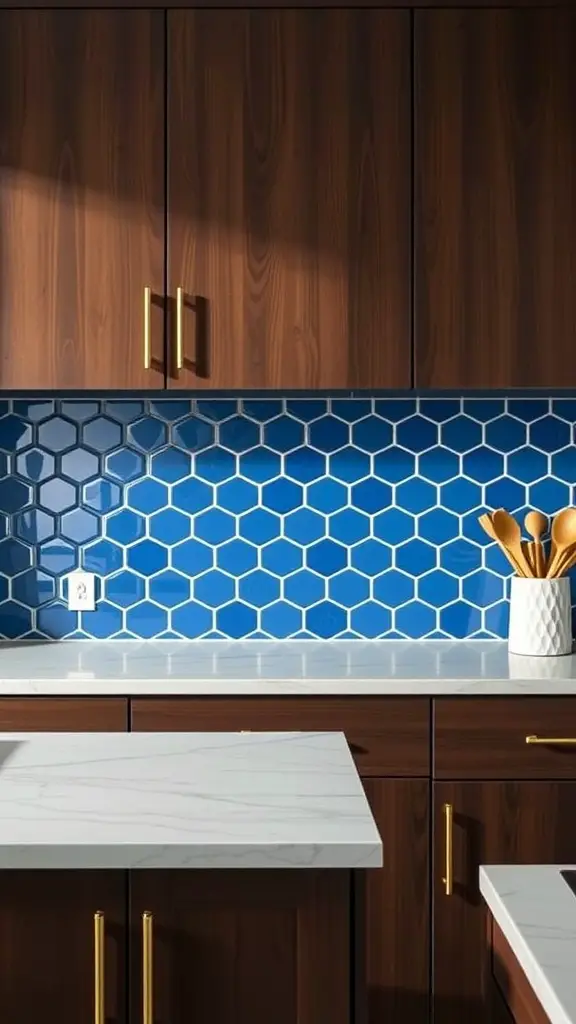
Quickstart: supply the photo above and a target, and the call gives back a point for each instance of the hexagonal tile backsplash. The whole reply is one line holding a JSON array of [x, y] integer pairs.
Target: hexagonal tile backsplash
[[271, 518]]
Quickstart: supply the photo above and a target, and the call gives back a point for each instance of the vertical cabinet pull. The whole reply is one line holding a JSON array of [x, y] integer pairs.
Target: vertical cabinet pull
[[99, 967], [179, 328], [147, 345], [147, 968], [448, 875]]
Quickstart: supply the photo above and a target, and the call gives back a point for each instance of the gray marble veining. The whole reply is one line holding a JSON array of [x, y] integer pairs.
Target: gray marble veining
[[182, 800], [132, 667], [536, 911]]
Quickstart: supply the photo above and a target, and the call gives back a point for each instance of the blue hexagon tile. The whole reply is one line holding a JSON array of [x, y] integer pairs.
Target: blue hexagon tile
[[305, 517]]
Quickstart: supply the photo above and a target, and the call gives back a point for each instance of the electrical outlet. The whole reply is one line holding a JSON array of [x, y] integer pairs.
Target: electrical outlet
[[81, 592]]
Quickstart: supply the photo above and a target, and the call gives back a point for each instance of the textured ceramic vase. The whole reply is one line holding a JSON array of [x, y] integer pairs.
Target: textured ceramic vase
[[540, 617]]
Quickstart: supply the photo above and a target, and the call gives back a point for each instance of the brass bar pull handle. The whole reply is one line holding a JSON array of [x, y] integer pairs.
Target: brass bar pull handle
[[448, 821], [551, 741], [147, 968], [99, 967], [147, 317], [179, 328]]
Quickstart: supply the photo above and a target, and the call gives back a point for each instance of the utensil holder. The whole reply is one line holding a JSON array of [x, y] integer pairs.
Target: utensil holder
[[540, 617]]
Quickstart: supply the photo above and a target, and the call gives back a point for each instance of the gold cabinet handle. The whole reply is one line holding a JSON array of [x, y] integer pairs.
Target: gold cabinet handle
[[147, 310], [448, 820], [147, 968], [99, 967], [551, 741], [179, 328]]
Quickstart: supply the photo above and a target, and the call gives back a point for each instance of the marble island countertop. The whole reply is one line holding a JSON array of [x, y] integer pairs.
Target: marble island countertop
[[182, 800], [536, 911], [265, 668]]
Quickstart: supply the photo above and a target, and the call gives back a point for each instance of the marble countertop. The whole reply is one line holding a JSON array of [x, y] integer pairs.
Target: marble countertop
[[291, 667], [183, 800], [536, 910]]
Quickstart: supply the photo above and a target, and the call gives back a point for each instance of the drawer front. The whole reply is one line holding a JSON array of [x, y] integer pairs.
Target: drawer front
[[386, 736], [59, 714], [476, 738]]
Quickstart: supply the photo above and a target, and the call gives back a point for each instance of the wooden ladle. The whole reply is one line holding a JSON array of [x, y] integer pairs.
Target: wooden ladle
[[508, 532], [485, 521], [536, 525], [563, 536]]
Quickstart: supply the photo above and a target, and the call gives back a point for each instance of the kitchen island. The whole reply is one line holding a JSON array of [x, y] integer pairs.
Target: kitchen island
[[136, 881]]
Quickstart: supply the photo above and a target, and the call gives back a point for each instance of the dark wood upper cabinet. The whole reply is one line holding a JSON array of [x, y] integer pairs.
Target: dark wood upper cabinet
[[81, 198], [48, 965], [495, 229], [288, 198], [241, 947], [493, 823]]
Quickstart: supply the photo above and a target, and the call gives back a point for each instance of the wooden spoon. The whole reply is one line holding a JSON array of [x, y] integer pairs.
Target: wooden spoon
[[563, 534], [487, 525], [536, 524], [508, 532]]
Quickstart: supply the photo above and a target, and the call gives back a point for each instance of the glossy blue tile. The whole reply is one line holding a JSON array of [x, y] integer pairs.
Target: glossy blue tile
[[125, 589], [349, 588], [326, 557], [147, 557], [394, 464], [260, 588], [237, 496], [416, 495], [170, 465], [416, 434], [34, 526], [395, 409], [124, 465], [415, 620], [563, 465], [192, 495], [505, 493], [460, 434], [169, 589], [440, 409], [192, 557], [103, 557], [460, 557], [483, 588], [372, 434], [215, 465], [14, 495], [394, 526], [217, 409], [192, 620], [101, 496], [326, 620], [15, 433], [348, 526], [460, 619], [36, 410], [371, 557], [483, 409], [283, 434], [549, 434], [56, 495], [351, 409], [305, 465], [371, 495], [33, 465], [55, 621], [438, 465], [305, 526], [15, 620], [261, 409], [58, 557], [460, 495], [101, 435], [79, 465], [259, 526], [528, 409], [214, 588], [33, 588], [438, 588], [55, 434], [482, 464], [148, 434], [237, 557], [239, 434], [326, 495], [236, 620], [147, 496], [79, 526], [170, 409], [506, 433], [214, 526], [146, 620], [259, 465], [349, 465], [438, 526], [104, 622], [169, 526], [123, 411], [282, 495], [328, 434], [304, 588], [281, 557], [415, 557], [125, 526], [281, 619], [370, 620], [307, 409], [527, 465], [549, 495]]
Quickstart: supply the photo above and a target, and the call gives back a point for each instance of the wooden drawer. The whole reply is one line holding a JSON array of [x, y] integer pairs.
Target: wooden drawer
[[521, 1001], [486, 738], [386, 736], [61, 714]]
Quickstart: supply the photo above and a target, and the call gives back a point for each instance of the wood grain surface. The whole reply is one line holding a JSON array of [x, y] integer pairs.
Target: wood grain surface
[[81, 197], [289, 220], [63, 714], [495, 163]]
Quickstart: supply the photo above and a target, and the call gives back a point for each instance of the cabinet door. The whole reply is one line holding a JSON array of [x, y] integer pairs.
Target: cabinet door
[[81, 198], [242, 947], [494, 823], [288, 198], [495, 198], [392, 981], [48, 953]]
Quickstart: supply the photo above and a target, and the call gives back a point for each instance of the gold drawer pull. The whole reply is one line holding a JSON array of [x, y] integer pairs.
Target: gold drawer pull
[[551, 741], [448, 820], [98, 967], [147, 969]]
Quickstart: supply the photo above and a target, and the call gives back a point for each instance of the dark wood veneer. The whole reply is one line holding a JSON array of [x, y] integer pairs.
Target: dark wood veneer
[[484, 738], [63, 714], [519, 995], [387, 736]]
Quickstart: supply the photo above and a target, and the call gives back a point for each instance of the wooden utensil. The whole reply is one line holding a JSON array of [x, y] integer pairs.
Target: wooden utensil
[[508, 532], [485, 521], [530, 556], [563, 534], [565, 563], [536, 524]]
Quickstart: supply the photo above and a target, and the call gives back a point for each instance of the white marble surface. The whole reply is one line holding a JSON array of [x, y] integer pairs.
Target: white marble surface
[[182, 800], [304, 667], [536, 911]]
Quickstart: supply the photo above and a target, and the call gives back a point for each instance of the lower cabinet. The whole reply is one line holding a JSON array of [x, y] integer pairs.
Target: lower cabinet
[[236, 947], [491, 823]]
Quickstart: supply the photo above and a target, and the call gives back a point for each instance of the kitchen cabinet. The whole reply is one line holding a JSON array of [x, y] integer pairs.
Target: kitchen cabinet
[[288, 198], [81, 198], [495, 198], [239, 946], [506, 822], [511, 991], [390, 741], [48, 955], [63, 714]]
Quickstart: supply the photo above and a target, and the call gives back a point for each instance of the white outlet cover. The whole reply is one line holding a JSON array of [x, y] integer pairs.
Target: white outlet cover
[[81, 592]]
